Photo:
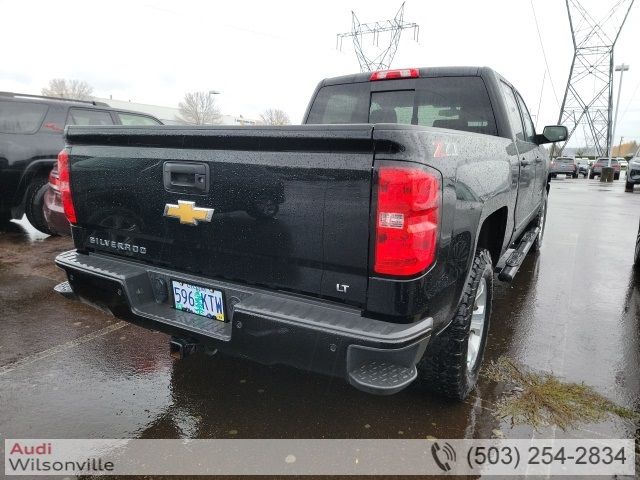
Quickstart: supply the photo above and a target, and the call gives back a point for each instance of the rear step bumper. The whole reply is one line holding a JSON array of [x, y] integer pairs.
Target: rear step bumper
[[266, 326]]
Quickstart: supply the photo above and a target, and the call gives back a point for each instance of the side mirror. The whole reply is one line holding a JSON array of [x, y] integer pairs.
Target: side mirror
[[552, 134]]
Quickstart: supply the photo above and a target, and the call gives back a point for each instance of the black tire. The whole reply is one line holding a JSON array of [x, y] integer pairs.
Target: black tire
[[443, 369], [541, 221], [591, 176], [628, 186], [616, 176], [35, 203], [575, 175]]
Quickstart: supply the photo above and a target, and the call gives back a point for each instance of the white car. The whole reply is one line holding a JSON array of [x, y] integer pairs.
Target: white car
[[633, 173]]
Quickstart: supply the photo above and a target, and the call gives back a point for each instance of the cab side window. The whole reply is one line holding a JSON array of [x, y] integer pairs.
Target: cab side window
[[132, 119], [513, 112], [529, 129], [85, 116]]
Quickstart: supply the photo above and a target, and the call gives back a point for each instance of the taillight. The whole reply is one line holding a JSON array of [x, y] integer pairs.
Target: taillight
[[64, 185], [407, 219], [393, 74]]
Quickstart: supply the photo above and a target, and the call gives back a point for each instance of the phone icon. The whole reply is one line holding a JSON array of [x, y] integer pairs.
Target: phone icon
[[443, 456]]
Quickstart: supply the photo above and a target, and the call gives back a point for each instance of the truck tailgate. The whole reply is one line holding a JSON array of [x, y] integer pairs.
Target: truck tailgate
[[290, 204]]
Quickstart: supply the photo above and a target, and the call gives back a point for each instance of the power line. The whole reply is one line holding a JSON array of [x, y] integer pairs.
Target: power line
[[544, 54], [540, 99], [633, 95]]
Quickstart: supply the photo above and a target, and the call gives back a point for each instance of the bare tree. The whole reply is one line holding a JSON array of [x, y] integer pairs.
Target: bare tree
[[274, 116], [61, 87], [199, 108]]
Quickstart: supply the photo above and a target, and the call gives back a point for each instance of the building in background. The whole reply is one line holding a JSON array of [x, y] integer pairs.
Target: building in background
[[170, 115]]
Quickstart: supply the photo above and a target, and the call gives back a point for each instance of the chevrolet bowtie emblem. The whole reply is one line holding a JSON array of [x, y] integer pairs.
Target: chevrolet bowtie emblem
[[188, 213]]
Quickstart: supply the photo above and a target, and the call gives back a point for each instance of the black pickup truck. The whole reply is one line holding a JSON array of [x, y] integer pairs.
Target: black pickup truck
[[362, 244]]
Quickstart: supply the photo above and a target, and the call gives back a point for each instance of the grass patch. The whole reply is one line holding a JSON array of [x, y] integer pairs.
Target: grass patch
[[540, 399]]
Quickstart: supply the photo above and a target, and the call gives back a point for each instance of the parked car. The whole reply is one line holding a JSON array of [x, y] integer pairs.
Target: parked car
[[583, 167], [565, 166], [31, 128], [623, 163], [384, 250], [633, 173], [596, 169]]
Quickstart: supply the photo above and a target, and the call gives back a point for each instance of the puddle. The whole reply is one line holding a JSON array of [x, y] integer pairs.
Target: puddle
[[22, 228]]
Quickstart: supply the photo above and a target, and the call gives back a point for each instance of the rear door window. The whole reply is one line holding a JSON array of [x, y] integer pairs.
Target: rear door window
[[21, 117], [133, 119], [84, 116]]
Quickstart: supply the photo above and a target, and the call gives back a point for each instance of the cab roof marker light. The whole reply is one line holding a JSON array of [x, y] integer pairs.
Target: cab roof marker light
[[394, 74]]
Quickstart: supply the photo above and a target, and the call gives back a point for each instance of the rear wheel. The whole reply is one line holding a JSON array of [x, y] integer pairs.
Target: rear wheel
[[616, 176], [628, 186], [451, 364], [591, 176], [35, 203]]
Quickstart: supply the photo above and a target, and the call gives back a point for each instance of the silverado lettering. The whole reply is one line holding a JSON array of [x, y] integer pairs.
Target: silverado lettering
[[125, 247]]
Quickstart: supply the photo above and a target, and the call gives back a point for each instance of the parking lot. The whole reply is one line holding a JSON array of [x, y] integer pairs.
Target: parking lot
[[70, 371]]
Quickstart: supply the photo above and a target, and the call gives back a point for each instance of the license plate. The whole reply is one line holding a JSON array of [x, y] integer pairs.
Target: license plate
[[202, 301]]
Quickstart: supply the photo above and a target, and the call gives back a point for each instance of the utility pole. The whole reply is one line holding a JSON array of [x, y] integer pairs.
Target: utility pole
[[619, 68], [377, 58], [620, 146]]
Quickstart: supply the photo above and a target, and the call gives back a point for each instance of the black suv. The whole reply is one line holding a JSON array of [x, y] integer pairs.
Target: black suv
[[31, 130]]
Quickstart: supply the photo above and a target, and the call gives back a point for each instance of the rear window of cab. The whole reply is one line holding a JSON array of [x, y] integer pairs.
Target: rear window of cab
[[458, 103]]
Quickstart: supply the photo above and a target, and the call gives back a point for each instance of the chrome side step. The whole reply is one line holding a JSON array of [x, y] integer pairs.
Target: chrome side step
[[513, 262]]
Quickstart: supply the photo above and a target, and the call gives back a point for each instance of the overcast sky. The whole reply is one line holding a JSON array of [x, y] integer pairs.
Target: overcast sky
[[263, 54]]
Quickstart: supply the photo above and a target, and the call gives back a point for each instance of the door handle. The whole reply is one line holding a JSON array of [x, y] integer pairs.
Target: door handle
[[524, 162]]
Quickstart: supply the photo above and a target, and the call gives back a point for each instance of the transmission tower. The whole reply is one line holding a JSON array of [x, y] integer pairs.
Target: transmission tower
[[588, 96], [381, 58]]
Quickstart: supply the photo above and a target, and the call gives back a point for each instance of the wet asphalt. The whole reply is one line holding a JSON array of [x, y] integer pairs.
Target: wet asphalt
[[70, 371]]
